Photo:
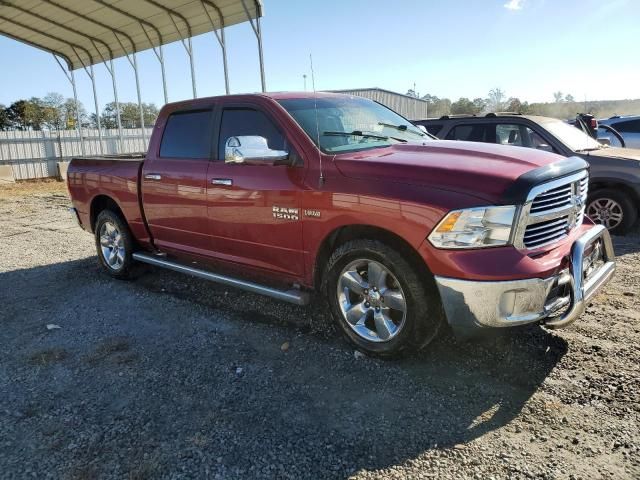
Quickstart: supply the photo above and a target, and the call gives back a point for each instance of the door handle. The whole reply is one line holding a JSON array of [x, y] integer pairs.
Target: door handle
[[152, 176], [222, 181]]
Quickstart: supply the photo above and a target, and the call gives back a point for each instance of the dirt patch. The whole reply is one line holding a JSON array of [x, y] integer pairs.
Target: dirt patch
[[116, 348], [48, 356]]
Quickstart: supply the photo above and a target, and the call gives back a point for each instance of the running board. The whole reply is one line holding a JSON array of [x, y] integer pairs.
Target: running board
[[292, 296]]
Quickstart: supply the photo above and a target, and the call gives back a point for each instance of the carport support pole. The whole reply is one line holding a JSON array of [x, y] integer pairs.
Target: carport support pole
[[164, 76], [220, 37], [259, 35], [95, 102], [72, 80], [112, 71], [135, 69], [193, 72], [77, 108], [224, 60], [258, 32]]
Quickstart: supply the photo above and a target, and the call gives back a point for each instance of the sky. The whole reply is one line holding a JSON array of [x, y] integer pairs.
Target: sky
[[454, 48]]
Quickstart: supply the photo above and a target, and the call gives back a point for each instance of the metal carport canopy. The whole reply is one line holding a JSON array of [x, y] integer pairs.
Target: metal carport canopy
[[87, 32]]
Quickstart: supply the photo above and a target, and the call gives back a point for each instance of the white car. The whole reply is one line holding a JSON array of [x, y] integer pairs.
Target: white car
[[627, 126]]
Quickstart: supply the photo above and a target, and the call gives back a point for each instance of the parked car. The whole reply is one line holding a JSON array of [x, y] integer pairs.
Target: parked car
[[285, 194], [614, 187], [627, 126]]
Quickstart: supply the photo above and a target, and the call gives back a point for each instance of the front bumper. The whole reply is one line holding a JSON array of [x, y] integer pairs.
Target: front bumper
[[555, 301]]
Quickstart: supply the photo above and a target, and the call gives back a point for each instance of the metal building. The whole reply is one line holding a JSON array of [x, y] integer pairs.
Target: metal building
[[409, 107]]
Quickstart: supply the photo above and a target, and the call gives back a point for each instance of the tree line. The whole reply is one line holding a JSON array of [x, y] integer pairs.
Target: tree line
[[54, 112], [563, 106]]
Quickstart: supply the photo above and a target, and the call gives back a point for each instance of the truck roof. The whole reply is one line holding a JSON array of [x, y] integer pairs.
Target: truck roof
[[481, 118], [272, 95]]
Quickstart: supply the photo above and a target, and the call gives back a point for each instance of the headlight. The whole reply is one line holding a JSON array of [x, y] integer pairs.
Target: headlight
[[474, 228]]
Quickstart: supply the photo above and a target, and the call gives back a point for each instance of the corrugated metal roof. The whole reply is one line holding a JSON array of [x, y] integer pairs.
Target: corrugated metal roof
[[85, 32], [355, 91], [407, 106]]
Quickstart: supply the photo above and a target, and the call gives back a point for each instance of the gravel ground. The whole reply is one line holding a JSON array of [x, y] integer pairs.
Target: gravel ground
[[172, 377]]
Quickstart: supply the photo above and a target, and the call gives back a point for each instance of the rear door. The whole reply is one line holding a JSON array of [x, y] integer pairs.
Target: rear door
[[254, 210], [174, 183], [630, 130]]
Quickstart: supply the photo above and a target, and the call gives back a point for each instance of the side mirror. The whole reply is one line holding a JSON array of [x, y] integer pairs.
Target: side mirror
[[545, 147], [604, 141], [252, 150]]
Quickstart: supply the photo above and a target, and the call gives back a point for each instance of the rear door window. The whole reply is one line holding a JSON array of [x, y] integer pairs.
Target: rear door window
[[476, 132], [187, 135]]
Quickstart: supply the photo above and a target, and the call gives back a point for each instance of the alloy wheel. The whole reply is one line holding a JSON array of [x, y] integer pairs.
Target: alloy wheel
[[605, 211], [371, 300], [112, 245]]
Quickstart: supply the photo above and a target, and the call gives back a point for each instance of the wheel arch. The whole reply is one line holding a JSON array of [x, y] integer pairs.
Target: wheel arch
[[100, 203], [345, 233], [600, 184]]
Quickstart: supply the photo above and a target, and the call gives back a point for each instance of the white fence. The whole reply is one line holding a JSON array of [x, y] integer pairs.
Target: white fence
[[34, 154]]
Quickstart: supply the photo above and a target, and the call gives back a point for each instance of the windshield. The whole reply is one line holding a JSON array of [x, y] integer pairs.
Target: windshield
[[346, 124], [572, 137]]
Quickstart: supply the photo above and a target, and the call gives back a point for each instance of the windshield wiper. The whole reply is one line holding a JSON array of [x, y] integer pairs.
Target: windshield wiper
[[588, 149], [355, 133], [401, 128], [360, 133]]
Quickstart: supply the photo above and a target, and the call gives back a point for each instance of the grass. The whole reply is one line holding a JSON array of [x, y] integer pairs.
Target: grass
[[32, 187]]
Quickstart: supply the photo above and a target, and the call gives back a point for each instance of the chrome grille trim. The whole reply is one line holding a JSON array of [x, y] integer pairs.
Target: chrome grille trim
[[551, 211]]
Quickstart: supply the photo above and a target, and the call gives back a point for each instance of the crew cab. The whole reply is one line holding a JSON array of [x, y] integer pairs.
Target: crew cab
[[287, 194]]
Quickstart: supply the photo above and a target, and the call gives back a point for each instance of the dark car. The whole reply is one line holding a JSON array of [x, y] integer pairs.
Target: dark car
[[615, 172]]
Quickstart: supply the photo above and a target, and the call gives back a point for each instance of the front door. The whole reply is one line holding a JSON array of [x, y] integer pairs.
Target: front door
[[174, 184], [254, 209]]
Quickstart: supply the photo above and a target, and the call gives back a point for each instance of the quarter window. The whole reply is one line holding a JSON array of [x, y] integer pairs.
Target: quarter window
[[628, 126], [509, 134], [433, 128], [187, 135]]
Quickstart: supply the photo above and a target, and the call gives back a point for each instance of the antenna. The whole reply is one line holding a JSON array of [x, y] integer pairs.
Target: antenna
[[315, 107]]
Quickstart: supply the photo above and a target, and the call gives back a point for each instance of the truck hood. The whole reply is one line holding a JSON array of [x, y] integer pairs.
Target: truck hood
[[480, 169], [616, 152]]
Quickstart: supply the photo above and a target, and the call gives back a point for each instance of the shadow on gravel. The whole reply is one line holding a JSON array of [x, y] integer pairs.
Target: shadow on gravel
[[627, 244], [209, 390]]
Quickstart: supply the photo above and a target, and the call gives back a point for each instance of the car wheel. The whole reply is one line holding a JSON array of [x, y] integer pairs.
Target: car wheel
[[383, 304], [613, 209], [114, 244]]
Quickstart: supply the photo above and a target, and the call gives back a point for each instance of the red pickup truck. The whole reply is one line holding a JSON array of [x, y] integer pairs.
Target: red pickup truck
[[288, 193]]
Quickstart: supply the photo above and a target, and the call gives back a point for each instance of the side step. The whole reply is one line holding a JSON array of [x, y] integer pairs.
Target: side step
[[293, 296]]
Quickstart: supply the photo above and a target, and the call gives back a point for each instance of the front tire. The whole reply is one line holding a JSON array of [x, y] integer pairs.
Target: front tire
[[613, 209], [114, 244], [383, 304]]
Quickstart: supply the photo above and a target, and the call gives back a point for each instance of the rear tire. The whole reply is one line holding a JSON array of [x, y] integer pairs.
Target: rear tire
[[383, 304], [114, 244], [613, 209]]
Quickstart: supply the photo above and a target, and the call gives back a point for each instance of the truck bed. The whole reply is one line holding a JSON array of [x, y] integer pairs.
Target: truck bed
[[124, 157], [91, 178]]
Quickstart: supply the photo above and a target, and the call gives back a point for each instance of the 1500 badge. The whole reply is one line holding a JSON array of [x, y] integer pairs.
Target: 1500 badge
[[285, 213]]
